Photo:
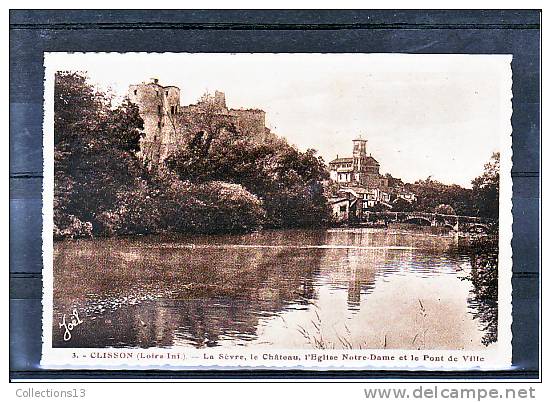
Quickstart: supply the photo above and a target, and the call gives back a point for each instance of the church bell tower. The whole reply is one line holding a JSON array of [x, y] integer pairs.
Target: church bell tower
[[359, 154], [360, 146]]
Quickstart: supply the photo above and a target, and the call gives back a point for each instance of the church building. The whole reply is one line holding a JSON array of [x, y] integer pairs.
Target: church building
[[360, 170]]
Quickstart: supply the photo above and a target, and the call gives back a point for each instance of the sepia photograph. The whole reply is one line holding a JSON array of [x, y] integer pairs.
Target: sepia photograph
[[343, 211]]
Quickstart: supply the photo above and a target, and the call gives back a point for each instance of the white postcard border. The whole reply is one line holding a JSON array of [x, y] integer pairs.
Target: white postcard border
[[495, 357]]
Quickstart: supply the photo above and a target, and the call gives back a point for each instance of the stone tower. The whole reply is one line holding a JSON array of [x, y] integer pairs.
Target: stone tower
[[360, 147], [158, 106], [166, 120], [220, 100], [359, 154]]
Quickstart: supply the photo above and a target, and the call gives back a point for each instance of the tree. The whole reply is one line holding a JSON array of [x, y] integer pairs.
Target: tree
[[431, 193], [401, 205], [124, 126], [444, 209], [486, 189], [285, 180], [393, 181], [95, 154], [78, 110]]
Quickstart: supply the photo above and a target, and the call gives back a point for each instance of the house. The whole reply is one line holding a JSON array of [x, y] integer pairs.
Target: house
[[358, 177], [340, 207], [366, 199]]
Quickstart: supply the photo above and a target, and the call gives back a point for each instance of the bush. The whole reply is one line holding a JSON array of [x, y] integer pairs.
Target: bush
[[134, 211], [228, 208], [444, 209], [401, 205], [212, 207], [71, 226]]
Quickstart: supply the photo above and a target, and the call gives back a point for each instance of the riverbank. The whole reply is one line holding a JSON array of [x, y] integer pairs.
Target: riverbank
[[78, 233]]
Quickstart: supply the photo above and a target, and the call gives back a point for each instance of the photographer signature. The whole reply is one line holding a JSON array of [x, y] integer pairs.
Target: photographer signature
[[69, 326]]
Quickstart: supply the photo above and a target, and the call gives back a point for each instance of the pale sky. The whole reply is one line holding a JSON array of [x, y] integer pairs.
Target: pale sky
[[423, 115]]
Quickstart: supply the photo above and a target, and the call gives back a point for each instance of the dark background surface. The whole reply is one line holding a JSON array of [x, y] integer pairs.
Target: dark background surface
[[32, 33]]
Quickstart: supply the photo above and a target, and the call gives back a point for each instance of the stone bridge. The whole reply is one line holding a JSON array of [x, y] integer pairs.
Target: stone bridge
[[454, 222]]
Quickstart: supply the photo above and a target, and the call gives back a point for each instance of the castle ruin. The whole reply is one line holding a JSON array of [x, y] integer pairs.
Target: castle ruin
[[166, 120]]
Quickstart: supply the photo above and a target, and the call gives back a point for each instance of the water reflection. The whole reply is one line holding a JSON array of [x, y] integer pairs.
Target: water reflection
[[360, 288], [484, 278]]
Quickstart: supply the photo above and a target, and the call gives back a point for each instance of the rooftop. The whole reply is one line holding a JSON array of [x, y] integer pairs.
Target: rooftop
[[370, 160], [342, 160], [335, 200]]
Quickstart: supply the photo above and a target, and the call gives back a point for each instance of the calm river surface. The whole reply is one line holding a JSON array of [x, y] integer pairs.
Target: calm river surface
[[336, 288]]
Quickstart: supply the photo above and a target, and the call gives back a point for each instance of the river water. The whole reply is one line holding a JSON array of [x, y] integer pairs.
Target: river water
[[336, 288]]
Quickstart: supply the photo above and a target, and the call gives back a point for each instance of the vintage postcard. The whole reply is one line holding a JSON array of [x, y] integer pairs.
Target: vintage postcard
[[292, 211]]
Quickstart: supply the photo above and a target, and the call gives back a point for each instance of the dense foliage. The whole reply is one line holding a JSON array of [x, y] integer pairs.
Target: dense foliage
[[482, 200], [95, 162], [430, 194], [484, 276], [486, 189], [287, 181], [221, 180]]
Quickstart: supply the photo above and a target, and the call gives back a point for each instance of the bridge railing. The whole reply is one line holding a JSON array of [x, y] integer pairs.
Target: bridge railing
[[429, 216]]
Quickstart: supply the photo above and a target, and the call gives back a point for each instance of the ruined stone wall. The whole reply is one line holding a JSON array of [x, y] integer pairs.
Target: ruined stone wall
[[165, 120], [250, 121]]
